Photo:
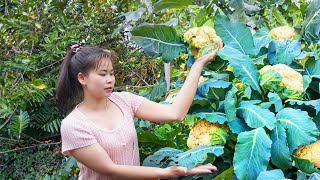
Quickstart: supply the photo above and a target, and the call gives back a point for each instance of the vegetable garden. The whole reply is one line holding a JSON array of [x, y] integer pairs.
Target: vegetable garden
[[256, 111]]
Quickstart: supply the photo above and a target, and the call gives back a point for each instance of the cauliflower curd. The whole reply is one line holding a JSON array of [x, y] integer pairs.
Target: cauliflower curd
[[282, 80], [283, 33], [310, 152], [290, 78], [200, 37], [201, 133]]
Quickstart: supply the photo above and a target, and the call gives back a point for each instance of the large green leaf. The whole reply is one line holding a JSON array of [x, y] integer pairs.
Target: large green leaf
[[279, 17], [234, 34], [158, 90], [157, 159], [230, 104], [312, 103], [270, 80], [219, 137], [169, 4], [275, 174], [196, 155], [252, 154], [312, 67], [217, 87], [314, 176], [280, 154], [237, 126], [300, 128], [283, 52], [311, 26], [275, 99], [255, 116], [149, 137], [227, 174], [20, 122], [304, 165], [261, 38], [213, 117], [159, 40], [243, 66]]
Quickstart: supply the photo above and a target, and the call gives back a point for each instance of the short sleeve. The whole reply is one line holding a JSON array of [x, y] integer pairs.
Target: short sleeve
[[134, 100], [75, 134]]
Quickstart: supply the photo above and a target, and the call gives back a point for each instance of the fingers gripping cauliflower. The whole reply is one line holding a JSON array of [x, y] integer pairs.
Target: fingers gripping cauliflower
[[283, 33], [201, 133], [290, 82], [201, 37], [310, 152]]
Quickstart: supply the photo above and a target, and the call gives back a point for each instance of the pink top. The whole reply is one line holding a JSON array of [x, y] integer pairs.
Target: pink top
[[121, 143]]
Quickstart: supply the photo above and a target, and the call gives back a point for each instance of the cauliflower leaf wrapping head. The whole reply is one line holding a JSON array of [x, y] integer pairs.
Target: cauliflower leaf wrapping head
[[202, 40], [310, 152], [283, 33], [283, 80], [202, 132]]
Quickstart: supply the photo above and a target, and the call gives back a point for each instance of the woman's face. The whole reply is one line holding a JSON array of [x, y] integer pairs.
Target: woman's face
[[99, 83]]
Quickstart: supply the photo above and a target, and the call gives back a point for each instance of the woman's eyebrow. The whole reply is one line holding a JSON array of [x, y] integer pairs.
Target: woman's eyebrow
[[107, 70]]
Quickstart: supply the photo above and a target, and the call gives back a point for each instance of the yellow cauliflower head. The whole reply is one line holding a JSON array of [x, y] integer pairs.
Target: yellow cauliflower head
[[199, 37], [291, 79], [201, 133], [310, 152], [283, 33]]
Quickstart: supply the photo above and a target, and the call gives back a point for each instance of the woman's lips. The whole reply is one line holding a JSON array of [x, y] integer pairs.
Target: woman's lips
[[109, 90]]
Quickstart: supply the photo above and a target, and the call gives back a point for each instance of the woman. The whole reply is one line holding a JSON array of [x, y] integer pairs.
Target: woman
[[99, 131]]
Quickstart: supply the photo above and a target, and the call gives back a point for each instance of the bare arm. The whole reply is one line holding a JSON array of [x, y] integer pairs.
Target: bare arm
[[156, 112], [96, 158]]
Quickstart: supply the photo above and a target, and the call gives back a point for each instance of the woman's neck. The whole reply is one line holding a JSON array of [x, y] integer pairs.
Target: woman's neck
[[92, 104]]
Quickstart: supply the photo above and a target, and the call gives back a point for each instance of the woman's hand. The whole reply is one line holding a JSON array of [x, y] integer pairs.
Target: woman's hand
[[177, 171], [207, 58]]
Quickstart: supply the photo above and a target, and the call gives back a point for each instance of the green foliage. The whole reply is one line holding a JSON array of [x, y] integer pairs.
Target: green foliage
[[283, 52], [234, 34], [280, 154], [252, 153], [164, 4], [159, 40], [275, 174], [174, 157], [38, 162], [299, 126], [264, 127], [244, 68], [311, 28], [19, 124]]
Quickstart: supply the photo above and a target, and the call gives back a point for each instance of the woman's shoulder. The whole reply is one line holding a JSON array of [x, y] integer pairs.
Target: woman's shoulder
[[73, 118], [125, 95]]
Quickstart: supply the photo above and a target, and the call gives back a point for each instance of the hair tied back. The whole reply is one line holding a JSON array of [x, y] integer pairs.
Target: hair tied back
[[75, 47]]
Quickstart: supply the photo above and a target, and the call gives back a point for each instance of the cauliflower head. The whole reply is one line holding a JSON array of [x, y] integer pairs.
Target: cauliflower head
[[283, 80], [310, 152], [201, 133], [200, 37], [283, 33]]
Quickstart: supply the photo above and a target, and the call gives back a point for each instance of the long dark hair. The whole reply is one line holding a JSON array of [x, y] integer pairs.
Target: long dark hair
[[78, 59]]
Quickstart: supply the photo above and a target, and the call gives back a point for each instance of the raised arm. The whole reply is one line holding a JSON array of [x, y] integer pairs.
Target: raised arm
[[156, 112], [97, 159]]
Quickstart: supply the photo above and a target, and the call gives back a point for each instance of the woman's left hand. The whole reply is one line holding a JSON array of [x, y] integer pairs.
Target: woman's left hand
[[207, 58]]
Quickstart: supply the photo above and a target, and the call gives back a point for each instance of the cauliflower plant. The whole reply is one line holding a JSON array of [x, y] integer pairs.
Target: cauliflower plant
[[283, 33], [203, 40], [283, 80], [201, 133], [310, 152]]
